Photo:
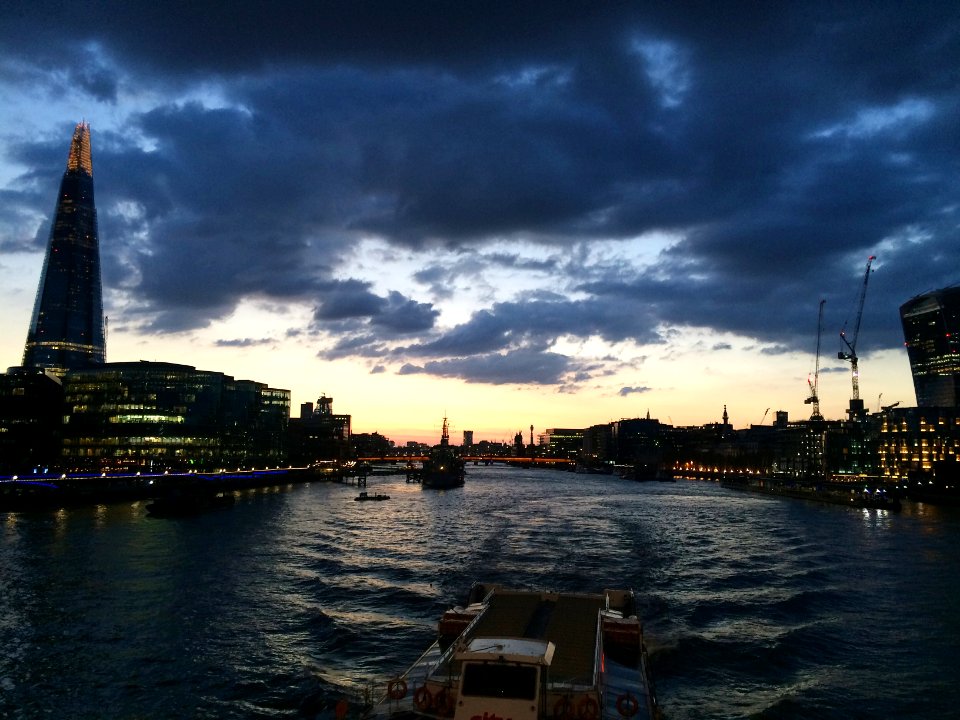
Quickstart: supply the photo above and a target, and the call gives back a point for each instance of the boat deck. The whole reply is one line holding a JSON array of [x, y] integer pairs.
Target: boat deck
[[578, 671], [568, 621]]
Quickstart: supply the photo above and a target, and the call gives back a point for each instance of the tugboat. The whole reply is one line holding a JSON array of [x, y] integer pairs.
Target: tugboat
[[529, 655], [363, 497], [443, 469]]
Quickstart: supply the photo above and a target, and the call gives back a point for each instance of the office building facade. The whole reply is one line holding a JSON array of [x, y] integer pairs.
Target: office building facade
[[163, 416]]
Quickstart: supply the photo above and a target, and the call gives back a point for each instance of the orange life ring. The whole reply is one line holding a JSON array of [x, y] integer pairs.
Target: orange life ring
[[564, 708], [587, 708], [397, 689], [627, 705], [444, 703], [422, 698]]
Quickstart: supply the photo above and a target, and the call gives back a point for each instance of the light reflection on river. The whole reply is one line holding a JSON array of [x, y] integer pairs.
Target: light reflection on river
[[754, 606]]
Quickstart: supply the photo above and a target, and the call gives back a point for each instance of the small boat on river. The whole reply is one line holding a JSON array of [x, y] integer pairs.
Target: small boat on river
[[529, 655], [363, 497]]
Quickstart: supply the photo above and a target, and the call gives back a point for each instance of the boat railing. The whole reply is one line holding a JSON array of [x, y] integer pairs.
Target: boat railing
[[626, 691], [448, 654]]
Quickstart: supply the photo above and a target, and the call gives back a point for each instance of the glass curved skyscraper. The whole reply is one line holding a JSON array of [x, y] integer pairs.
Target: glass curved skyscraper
[[66, 330], [931, 329]]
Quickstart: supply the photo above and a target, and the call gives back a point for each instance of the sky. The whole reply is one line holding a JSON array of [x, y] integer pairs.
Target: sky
[[506, 213]]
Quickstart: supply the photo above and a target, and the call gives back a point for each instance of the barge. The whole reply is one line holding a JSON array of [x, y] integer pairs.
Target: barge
[[529, 655]]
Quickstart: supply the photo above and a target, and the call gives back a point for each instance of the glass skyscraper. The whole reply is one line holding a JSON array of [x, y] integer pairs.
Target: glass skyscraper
[[66, 330], [931, 329]]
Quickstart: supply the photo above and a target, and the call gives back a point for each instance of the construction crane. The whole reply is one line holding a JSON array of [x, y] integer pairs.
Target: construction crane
[[814, 398], [850, 355]]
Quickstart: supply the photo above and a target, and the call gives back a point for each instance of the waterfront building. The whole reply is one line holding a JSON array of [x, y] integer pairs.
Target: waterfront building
[[66, 330], [467, 439], [641, 443], [319, 434], [563, 442], [164, 416], [920, 445], [931, 331], [31, 418], [371, 445], [598, 447]]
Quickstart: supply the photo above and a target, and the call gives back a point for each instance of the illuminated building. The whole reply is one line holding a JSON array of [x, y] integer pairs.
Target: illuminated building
[[159, 416], [931, 331], [563, 442], [66, 329], [920, 444]]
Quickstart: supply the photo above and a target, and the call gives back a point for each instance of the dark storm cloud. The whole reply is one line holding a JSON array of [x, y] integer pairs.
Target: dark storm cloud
[[536, 325], [780, 144], [359, 309]]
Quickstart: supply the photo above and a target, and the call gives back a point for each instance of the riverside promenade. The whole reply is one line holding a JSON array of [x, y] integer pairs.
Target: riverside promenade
[[45, 491]]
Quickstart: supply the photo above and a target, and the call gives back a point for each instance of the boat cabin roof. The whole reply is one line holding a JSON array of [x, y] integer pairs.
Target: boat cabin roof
[[515, 650]]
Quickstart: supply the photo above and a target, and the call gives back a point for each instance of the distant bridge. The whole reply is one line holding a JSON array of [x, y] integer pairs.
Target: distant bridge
[[476, 460]]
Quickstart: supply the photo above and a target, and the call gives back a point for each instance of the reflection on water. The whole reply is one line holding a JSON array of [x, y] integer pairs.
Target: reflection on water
[[754, 606]]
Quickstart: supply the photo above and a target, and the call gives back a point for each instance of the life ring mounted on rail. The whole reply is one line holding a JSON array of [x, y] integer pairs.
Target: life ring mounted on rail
[[627, 705], [397, 689], [588, 708], [563, 709], [444, 702], [422, 697]]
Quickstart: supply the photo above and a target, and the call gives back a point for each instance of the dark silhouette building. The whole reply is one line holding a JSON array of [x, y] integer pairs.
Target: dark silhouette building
[[318, 434], [931, 331], [31, 420], [66, 329]]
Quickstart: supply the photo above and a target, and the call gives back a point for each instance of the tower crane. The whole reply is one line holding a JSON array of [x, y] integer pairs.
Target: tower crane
[[850, 355], [814, 398]]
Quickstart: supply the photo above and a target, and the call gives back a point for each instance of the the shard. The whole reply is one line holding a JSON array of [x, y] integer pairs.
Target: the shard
[[66, 330]]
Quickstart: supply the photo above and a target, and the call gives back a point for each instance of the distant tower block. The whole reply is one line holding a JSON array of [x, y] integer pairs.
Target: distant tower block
[[468, 438], [66, 329]]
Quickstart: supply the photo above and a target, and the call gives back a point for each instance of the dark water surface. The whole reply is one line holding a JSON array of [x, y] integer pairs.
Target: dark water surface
[[754, 607]]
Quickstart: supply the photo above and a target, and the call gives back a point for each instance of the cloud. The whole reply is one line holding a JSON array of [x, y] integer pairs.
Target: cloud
[[624, 391], [776, 146], [522, 367], [244, 342]]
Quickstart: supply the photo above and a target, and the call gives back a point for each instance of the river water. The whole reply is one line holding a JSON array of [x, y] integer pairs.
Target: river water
[[754, 607]]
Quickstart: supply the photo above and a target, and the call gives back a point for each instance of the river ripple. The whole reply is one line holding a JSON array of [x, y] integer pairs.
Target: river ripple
[[754, 607]]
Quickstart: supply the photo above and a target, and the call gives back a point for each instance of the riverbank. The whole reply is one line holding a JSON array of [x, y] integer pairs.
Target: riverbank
[[848, 494], [46, 491]]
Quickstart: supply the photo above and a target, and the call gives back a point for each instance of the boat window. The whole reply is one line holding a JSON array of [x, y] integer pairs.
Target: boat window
[[514, 682]]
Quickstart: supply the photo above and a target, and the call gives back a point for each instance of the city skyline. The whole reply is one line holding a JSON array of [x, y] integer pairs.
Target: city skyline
[[521, 215]]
